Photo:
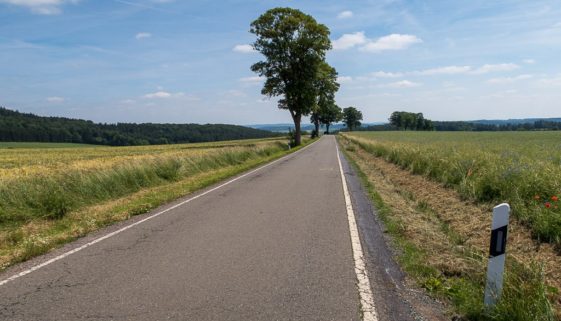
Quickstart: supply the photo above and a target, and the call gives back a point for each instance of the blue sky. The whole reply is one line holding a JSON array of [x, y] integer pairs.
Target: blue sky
[[188, 61]]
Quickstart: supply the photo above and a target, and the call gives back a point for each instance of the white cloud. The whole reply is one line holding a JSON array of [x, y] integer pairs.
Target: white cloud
[[391, 42], [55, 99], [345, 14], [384, 74], [349, 40], [252, 79], [243, 48], [158, 94], [128, 101], [344, 79], [143, 35], [495, 68], [161, 94], [529, 61], [402, 84], [508, 80], [447, 70], [43, 7]]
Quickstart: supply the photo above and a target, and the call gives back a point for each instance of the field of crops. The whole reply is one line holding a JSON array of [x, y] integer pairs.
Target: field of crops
[[521, 168], [51, 195]]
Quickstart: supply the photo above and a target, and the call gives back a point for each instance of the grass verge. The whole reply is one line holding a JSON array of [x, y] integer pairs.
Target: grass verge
[[522, 169], [22, 239], [441, 260]]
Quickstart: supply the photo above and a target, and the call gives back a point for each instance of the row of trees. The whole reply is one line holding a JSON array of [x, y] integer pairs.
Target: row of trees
[[350, 116], [294, 45], [21, 127]]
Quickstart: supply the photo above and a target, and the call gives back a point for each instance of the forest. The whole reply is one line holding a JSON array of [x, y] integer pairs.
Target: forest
[[24, 127]]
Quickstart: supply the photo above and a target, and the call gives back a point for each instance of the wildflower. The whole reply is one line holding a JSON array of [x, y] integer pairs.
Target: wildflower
[[547, 204], [554, 198], [537, 197]]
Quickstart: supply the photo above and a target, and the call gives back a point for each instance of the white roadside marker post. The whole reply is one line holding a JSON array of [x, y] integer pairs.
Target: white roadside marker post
[[495, 270]]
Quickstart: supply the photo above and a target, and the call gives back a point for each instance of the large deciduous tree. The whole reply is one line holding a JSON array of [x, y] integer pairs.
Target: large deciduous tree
[[294, 45], [352, 118]]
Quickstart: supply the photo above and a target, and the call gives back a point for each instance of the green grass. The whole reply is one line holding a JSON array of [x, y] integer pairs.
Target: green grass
[[25, 145], [525, 297], [521, 168]]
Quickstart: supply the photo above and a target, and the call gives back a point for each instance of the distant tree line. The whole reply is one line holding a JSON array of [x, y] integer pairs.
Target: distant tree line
[[416, 121], [22, 127], [472, 126]]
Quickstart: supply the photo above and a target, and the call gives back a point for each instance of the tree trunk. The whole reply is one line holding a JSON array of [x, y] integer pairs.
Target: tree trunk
[[327, 129], [316, 123], [297, 132]]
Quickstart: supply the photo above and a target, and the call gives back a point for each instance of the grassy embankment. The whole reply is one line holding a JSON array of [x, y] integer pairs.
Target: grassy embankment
[[441, 224], [50, 196]]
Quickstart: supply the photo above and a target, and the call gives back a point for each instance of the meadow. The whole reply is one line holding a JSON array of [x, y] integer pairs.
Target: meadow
[[520, 168], [50, 195]]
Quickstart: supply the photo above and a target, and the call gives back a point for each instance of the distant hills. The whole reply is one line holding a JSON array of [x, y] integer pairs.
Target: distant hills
[[467, 125], [283, 128], [23, 127]]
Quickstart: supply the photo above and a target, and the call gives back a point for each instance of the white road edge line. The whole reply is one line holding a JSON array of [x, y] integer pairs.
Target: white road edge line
[[78, 249], [365, 291]]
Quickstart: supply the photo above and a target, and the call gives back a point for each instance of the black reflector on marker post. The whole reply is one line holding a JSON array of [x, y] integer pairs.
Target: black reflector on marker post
[[497, 250]]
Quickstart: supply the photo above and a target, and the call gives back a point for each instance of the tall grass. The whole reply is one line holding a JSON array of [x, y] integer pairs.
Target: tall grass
[[525, 295], [65, 187], [523, 169]]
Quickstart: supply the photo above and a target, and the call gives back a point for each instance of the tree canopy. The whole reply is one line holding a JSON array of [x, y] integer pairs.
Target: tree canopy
[[410, 121], [326, 85], [352, 118], [330, 114], [294, 46]]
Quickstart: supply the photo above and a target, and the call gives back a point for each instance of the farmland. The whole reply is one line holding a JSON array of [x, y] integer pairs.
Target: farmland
[[49, 196], [435, 192]]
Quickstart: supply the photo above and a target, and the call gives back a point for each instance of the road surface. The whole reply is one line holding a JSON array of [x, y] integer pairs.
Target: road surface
[[271, 245]]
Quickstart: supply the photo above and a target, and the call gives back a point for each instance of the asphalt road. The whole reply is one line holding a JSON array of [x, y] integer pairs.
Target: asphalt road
[[273, 245]]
